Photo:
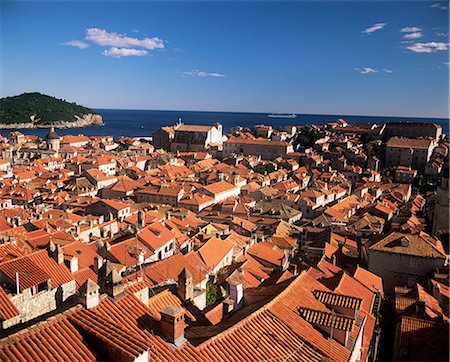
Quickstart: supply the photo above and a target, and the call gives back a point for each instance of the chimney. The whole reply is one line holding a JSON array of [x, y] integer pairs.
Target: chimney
[[185, 285], [227, 307], [420, 306], [114, 286], [235, 178], [237, 294], [172, 325], [58, 254], [98, 263], [89, 293], [141, 219], [74, 264]]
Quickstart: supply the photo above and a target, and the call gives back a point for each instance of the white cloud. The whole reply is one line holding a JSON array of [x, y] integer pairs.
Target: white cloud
[[442, 34], [439, 6], [429, 47], [447, 64], [105, 38], [373, 28], [369, 70], [200, 74], [124, 52], [76, 43], [410, 29], [415, 35]]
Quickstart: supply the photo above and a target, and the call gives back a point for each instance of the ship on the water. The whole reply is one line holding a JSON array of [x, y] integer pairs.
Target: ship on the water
[[282, 115]]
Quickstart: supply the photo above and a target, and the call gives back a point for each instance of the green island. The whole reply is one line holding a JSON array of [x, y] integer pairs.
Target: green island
[[32, 110]]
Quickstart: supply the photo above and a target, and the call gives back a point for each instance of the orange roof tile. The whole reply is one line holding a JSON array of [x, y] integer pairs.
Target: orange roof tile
[[214, 251], [7, 308]]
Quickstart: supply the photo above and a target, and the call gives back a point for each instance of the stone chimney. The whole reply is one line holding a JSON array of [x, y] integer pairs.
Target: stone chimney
[[227, 307], [237, 294], [235, 178], [74, 264], [141, 219], [98, 263], [185, 285], [172, 325], [89, 293], [113, 283], [58, 254]]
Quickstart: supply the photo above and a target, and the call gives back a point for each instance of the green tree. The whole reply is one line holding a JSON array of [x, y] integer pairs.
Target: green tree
[[264, 169], [211, 293]]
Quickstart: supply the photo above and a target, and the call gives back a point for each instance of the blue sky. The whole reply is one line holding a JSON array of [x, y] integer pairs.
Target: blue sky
[[357, 57]]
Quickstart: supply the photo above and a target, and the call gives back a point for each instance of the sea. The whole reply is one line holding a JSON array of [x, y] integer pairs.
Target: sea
[[142, 123]]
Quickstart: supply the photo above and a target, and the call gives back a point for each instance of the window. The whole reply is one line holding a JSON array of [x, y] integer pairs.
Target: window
[[413, 263], [411, 281]]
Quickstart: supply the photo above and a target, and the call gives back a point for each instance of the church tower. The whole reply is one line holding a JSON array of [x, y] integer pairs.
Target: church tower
[[52, 140]]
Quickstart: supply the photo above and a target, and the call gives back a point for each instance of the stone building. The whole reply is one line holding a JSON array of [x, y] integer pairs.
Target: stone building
[[269, 150], [412, 152], [163, 137], [403, 259], [412, 130], [441, 214], [197, 138]]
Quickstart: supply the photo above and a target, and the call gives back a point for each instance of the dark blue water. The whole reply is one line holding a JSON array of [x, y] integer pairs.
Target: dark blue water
[[142, 123]]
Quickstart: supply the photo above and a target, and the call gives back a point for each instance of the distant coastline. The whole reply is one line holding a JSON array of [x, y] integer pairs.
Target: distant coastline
[[86, 121], [142, 123]]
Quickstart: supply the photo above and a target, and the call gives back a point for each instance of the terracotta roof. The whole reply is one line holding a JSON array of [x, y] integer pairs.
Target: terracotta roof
[[127, 252], [116, 341], [277, 330], [10, 251], [370, 280], [408, 143], [266, 251], [7, 308], [168, 299], [193, 128], [47, 342], [326, 319], [58, 272], [155, 235], [30, 274], [82, 275], [219, 187], [84, 252], [420, 244], [214, 250], [337, 300], [116, 205], [409, 325], [257, 141], [170, 268]]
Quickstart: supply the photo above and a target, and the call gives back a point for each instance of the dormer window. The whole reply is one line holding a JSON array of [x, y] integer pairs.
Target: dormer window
[[404, 242]]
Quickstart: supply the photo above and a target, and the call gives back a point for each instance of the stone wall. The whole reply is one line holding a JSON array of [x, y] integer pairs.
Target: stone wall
[[46, 301]]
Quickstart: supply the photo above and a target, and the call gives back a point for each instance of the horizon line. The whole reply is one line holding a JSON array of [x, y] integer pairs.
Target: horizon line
[[267, 113]]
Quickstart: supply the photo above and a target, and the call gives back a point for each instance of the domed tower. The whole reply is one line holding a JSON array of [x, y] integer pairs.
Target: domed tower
[[52, 140]]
